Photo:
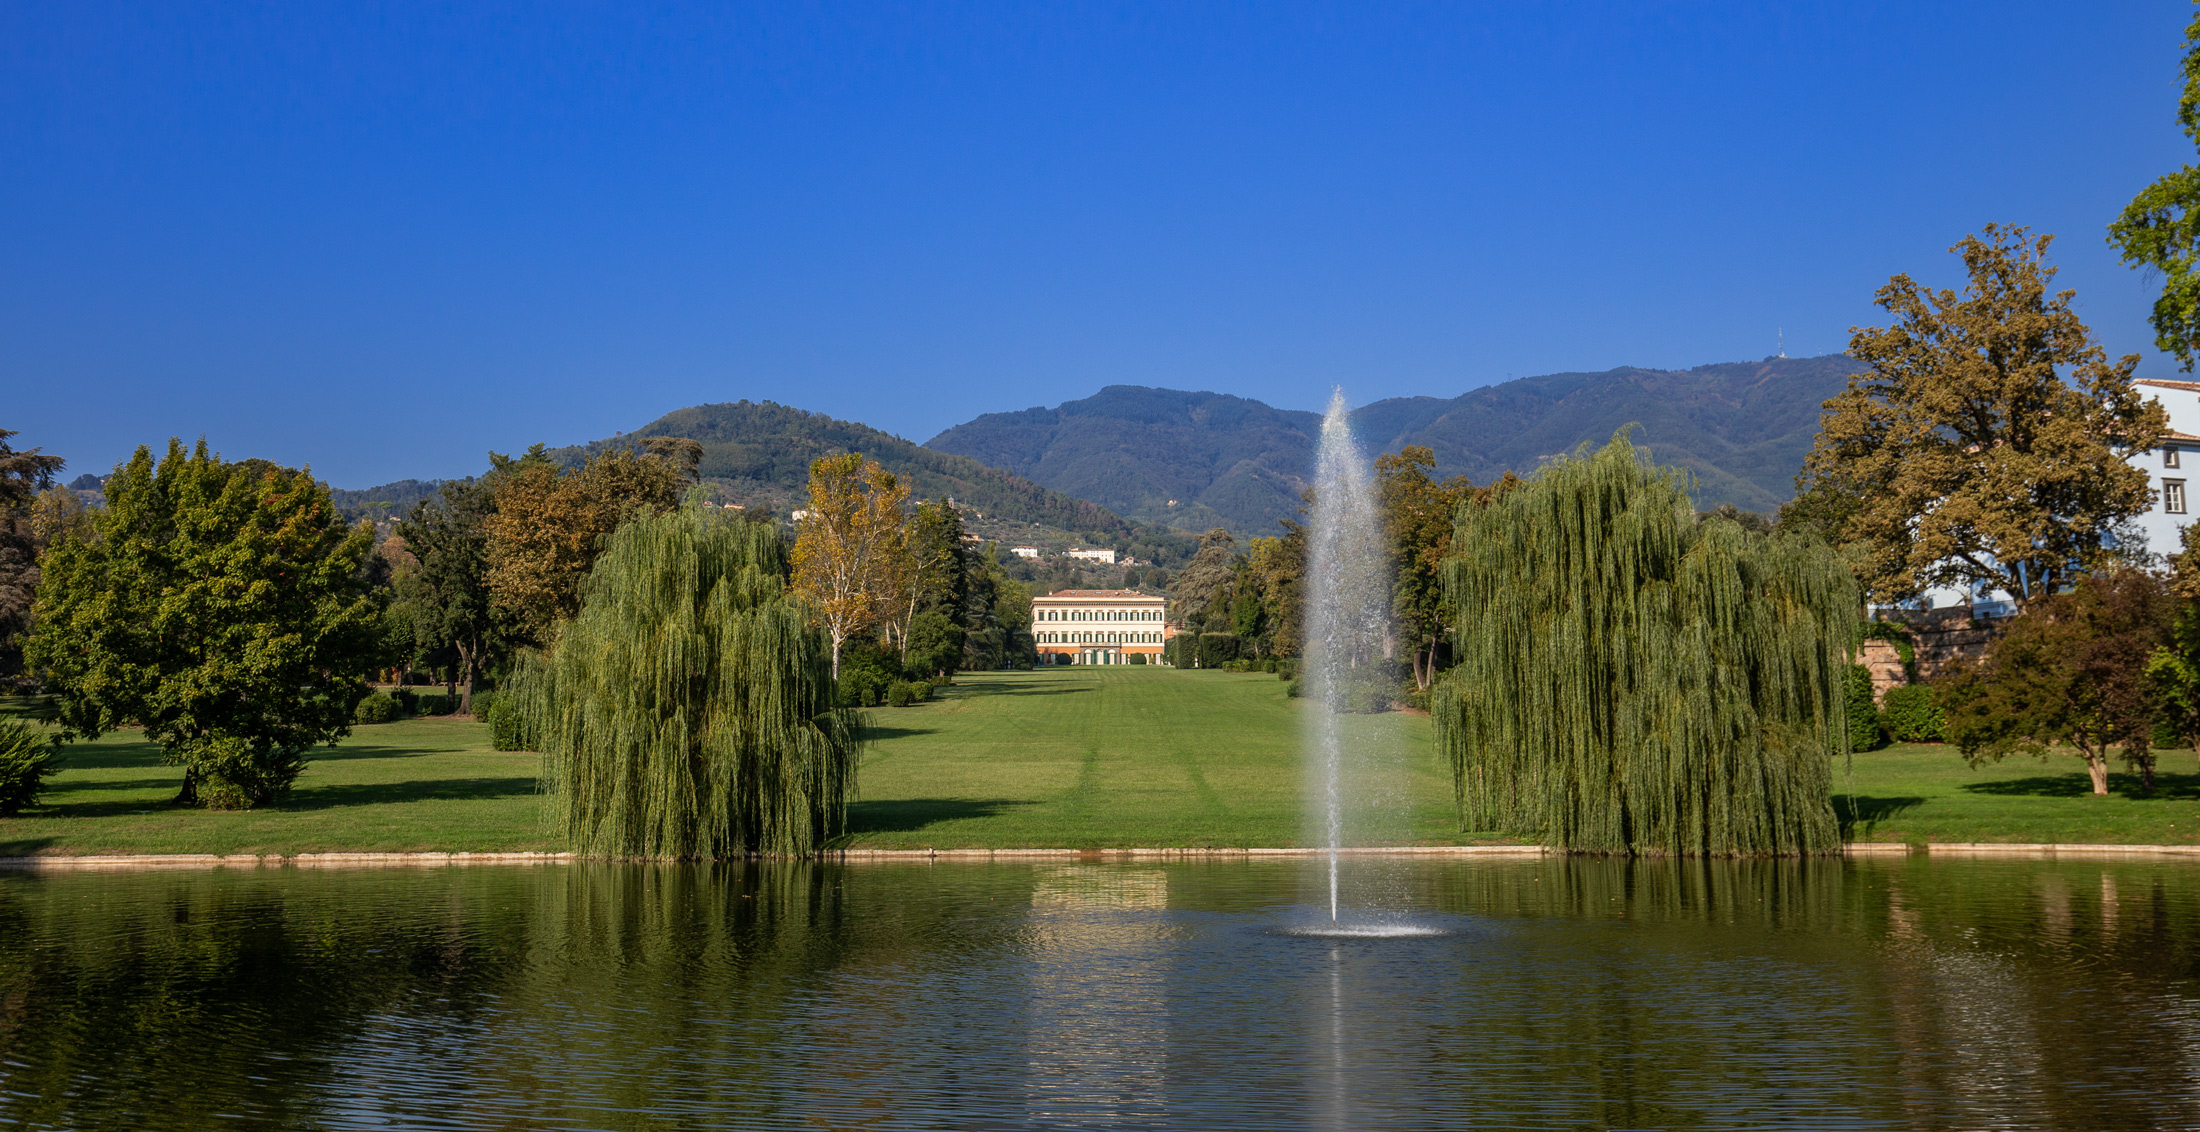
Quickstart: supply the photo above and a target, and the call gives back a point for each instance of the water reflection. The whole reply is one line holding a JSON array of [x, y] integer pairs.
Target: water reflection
[[1903, 993]]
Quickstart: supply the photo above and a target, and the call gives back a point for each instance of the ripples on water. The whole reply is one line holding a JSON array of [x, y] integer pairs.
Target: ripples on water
[[1517, 994]]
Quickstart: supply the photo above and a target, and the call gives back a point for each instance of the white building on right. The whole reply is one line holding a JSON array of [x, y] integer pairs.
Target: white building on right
[[2165, 466]]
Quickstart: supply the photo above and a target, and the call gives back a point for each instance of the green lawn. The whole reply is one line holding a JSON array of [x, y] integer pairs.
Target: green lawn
[[1076, 758], [428, 783], [1925, 792], [1115, 756]]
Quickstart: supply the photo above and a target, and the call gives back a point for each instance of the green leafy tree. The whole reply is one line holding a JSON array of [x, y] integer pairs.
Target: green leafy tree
[[23, 475], [2160, 229], [2072, 670], [938, 584], [225, 607], [687, 712], [1204, 587], [1634, 680], [1986, 442], [1278, 568], [446, 599], [2175, 665]]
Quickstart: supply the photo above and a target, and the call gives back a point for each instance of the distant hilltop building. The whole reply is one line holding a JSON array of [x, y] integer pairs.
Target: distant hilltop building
[[1107, 556], [1099, 626], [1024, 551]]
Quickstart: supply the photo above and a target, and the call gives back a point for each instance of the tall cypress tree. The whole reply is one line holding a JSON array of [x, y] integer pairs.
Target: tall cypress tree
[[687, 711], [1634, 680]]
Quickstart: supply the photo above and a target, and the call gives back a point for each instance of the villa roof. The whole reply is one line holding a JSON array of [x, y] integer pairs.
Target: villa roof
[[2188, 386], [1099, 593], [2173, 434]]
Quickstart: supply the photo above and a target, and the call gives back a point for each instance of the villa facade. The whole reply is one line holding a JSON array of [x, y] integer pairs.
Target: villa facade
[[1099, 627]]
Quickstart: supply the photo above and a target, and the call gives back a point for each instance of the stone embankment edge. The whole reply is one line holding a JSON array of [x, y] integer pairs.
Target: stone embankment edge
[[417, 860]]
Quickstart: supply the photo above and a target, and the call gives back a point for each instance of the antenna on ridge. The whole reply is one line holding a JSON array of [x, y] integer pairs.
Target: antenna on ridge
[[1783, 342]]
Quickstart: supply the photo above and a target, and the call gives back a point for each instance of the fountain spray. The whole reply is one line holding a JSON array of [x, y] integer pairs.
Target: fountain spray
[[1347, 611]]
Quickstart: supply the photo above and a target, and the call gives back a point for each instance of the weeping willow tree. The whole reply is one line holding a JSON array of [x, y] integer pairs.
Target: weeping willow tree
[[1634, 680], [687, 710]]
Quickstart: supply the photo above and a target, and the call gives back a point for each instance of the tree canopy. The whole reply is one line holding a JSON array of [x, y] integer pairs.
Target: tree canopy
[[1985, 444], [2072, 669], [687, 711], [222, 605], [2160, 228], [23, 475], [1634, 679]]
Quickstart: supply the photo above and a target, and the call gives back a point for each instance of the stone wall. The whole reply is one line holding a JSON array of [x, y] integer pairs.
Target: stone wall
[[1942, 636]]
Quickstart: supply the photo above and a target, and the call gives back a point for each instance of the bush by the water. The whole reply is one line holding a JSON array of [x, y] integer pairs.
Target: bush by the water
[[1864, 731], [380, 707], [26, 759], [1911, 714]]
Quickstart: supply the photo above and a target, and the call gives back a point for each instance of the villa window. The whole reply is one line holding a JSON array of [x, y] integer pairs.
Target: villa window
[[2173, 496], [2169, 456]]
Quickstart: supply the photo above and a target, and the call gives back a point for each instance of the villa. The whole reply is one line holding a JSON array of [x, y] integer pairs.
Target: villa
[[1099, 627]]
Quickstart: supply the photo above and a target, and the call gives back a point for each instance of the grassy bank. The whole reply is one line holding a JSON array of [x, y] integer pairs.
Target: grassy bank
[[1925, 792], [1079, 758]]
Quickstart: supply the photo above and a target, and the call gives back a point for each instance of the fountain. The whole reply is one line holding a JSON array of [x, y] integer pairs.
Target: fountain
[[1347, 623]]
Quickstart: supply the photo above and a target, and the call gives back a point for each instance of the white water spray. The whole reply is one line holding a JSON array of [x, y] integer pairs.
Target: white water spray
[[1347, 613]]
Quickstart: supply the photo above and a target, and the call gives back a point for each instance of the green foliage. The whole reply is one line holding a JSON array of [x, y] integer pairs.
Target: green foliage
[[2160, 229], [2072, 669], [225, 607], [1201, 596], [381, 707], [1897, 634], [902, 693], [23, 475], [1138, 658], [1911, 714], [1632, 680], [26, 761], [1217, 649], [1987, 444], [507, 726], [687, 711], [1863, 715], [935, 644], [445, 598]]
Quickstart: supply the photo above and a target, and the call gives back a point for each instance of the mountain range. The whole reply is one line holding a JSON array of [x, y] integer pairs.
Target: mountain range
[[1139, 468], [1196, 460]]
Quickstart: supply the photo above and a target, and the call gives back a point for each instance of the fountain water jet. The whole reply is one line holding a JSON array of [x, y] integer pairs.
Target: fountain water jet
[[1347, 614]]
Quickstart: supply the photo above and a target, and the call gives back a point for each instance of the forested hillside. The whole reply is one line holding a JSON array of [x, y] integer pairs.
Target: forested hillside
[[760, 452], [1201, 459]]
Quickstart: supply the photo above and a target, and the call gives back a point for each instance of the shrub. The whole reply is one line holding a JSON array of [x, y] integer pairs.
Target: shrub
[[1418, 701], [1864, 732], [484, 703], [860, 687], [381, 707], [1911, 714], [408, 703], [507, 727], [26, 758], [1138, 658], [1217, 649], [902, 693]]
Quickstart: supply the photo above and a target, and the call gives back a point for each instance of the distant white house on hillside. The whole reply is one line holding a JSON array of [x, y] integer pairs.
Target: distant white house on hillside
[[1107, 556], [1024, 551]]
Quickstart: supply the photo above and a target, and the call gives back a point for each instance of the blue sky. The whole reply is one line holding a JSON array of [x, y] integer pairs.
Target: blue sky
[[381, 240]]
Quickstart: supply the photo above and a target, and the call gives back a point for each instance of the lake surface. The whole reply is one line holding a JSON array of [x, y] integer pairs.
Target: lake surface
[[1903, 993]]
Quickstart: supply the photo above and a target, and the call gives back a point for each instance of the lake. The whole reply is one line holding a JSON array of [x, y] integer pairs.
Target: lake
[[1508, 993]]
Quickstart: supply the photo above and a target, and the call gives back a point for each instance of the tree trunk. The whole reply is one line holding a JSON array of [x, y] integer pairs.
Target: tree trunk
[[837, 638], [2096, 768], [189, 795], [466, 662]]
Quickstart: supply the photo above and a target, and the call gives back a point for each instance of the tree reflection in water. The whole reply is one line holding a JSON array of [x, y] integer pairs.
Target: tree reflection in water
[[1571, 992]]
